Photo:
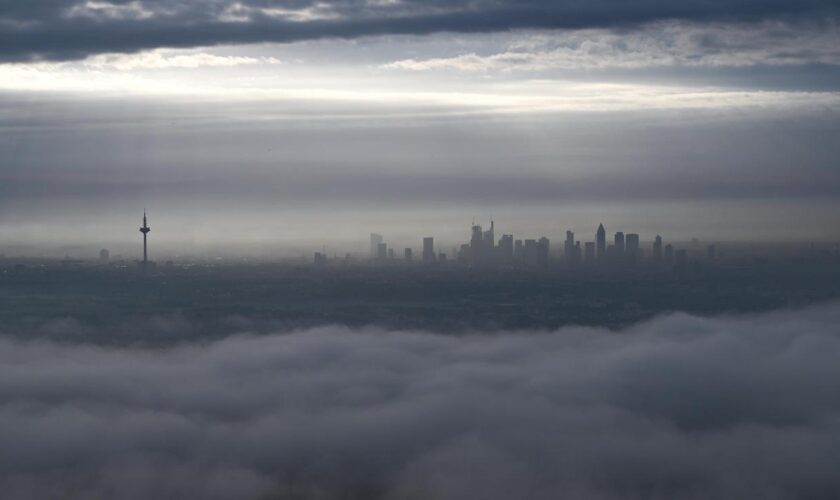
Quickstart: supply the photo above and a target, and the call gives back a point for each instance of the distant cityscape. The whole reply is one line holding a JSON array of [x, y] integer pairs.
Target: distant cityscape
[[489, 281], [483, 249]]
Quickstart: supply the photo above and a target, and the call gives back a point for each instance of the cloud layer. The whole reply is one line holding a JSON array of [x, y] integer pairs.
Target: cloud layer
[[679, 408], [69, 29], [662, 44]]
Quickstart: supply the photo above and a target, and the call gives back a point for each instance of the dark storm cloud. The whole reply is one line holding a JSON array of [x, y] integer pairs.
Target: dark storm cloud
[[678, 408], [68, 29]]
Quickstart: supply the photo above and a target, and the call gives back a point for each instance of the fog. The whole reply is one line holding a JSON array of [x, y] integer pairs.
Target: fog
[[679, 407], [220, 174]]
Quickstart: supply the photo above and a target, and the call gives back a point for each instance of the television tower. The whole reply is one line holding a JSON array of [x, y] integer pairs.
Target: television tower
[[145, 230]]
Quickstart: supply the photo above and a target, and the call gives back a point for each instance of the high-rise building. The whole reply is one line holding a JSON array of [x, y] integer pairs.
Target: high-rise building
[[601, 242], [408, 255], [568, 245], [571, 250], [482, 244], [657, 249], [631, 248], [669, 254], [428, 249], [476, 243], [375, 240], [391, 254], [104, 256], [464, 254], [506, 248], [542, 251], [489, 241], [530, 252], [618, 243], [518, 251], [320, 259], [381, 251]]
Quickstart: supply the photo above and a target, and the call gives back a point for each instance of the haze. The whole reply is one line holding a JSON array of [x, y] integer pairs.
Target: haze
[[299, 124]]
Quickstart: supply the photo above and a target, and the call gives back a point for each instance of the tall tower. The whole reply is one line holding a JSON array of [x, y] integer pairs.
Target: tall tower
[[145, 230], [601, 242]]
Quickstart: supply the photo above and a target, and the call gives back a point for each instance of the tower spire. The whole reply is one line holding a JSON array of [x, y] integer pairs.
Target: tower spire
[[145, 230]]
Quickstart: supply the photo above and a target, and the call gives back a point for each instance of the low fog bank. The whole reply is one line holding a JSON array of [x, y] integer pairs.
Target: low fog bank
[[680, 407]]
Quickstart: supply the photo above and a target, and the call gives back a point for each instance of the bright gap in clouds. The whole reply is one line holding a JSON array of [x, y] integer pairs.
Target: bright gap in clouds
[[595, 70]]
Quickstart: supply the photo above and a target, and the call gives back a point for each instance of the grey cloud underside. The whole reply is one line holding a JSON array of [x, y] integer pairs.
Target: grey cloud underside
[[102, 151], [47, 30], [678, 408]]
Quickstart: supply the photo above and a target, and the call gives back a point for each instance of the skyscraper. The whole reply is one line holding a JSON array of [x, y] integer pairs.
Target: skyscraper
[[570, 250], [506, 248], [428, 249], [632, 247], [375, 240], [490, 238], [619, 243], [145, 229], [476, 243], [657, 249], [382, 251], [408, 255], [542, 251], [601, 242], [568, 244]]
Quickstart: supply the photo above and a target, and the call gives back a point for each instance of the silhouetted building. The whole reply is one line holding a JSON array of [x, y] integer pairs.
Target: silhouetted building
[[601, 242], [632, 250], [391, 254], [519, 251], [104, 256], [476, 243], [618, 242], [381, 251], [489, 242], [320, 259], [569, 248], [542, 251], [482, 244], [505, 248], [657, 249], [442, 258], [408, 255], [464, 254], [375, 240], [428, 249]]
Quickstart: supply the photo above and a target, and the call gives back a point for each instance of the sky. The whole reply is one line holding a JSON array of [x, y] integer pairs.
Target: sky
[[293, 124]]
